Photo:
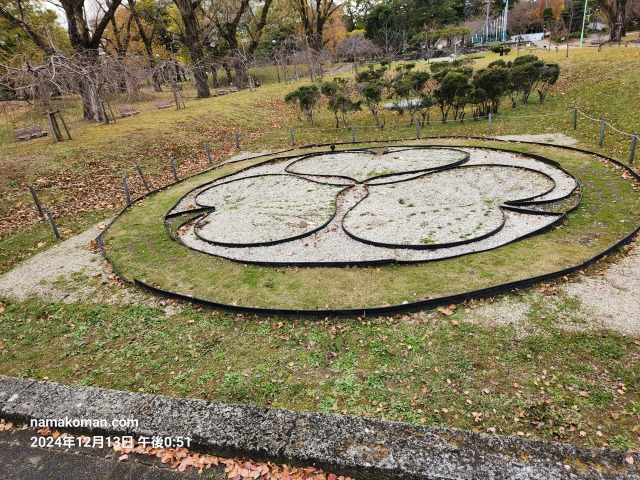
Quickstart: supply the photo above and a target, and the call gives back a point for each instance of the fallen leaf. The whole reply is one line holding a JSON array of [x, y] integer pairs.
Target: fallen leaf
[[615, 416], [629, 460], [445, 311]]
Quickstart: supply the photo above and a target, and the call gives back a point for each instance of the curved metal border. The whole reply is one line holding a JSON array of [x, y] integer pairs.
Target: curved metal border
[[453, 164], [434, 246], [267, 243], [400, 308]]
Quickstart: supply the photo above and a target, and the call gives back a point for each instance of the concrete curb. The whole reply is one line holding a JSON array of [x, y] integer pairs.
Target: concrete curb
[[361, 448]]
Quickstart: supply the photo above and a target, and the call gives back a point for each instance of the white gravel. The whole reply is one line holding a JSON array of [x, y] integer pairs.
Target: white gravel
[[439, 207], [361, 166], [265, 209], [442, 207]]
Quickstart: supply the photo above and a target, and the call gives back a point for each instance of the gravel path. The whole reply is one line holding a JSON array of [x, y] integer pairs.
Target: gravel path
[[68, 272]]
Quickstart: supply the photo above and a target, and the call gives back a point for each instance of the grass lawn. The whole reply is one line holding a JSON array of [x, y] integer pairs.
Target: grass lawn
[[555, 378]]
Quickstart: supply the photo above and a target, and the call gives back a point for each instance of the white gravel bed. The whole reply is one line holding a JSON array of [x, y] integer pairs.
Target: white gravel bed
[[361, 166], [442, 207], [458, 204], [565, 184], [265, 209], [332, 245], [187, 202]]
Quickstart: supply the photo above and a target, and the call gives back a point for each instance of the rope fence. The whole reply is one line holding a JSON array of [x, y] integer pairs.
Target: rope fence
[[139, 179]]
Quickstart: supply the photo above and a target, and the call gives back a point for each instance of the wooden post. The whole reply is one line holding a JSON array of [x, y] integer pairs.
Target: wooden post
[[37, 202], [53, 225], [237, 140], [353, 134], [176, 98], [53, 123], [64, 124], [634, 144], [293, 141], [417, 129], [173, 168], [575, 118], [126, 190], [489, 127], [206, 147], [602, 127], [144, 180], [110, 111]]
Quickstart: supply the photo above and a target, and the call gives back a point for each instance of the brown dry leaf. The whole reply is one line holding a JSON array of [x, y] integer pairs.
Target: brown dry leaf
[[584, 394], [1, 309], [615, 416], [455, 323], [629, 460], [445, 311], [122, 458]]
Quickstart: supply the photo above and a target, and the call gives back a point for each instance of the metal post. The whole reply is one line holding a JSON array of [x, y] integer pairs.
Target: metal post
[[602, 127], [173, 169], [584, 18], [417, 129], [53, 225], [293, 140], [575, 118], [353, 134], [206, 147], [634, 144], [37, 202], [126, 190], [489, 128], [237, 140], [144, 180]]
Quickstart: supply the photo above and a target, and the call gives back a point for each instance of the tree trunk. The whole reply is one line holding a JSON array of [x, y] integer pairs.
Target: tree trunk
[[200, 73], [91, 102]]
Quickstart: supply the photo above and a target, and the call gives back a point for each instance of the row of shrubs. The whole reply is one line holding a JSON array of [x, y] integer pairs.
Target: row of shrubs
[[451, 87]]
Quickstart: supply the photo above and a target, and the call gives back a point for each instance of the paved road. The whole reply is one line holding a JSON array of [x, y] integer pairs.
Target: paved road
[[20, 461]]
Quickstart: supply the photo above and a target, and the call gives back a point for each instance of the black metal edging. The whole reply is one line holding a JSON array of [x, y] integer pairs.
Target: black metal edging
[[393, 309]]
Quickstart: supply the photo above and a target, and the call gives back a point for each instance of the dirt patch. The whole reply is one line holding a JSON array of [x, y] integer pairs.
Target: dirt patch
[[554, 138]]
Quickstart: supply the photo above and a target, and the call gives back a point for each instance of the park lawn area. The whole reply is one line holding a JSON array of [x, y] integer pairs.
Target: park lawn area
[[554, 382], [140, 248], [81, 180]]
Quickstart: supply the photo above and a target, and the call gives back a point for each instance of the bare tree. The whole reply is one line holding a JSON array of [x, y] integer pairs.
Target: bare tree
[[616, 15], [85, 42], [355, 47]]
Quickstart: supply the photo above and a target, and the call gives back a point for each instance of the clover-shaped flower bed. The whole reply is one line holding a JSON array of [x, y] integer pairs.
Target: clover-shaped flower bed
[[399, 204]]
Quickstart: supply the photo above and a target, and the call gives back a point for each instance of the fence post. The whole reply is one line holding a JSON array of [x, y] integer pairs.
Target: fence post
[[37, 202], [353, 134], [634, 144], [144, 180], [206, 147], [604, 125], [237, 140], [293, 140], [126, 190], [575, 118], [417, 129], [53, 225], [173, 169], [489, 127]]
